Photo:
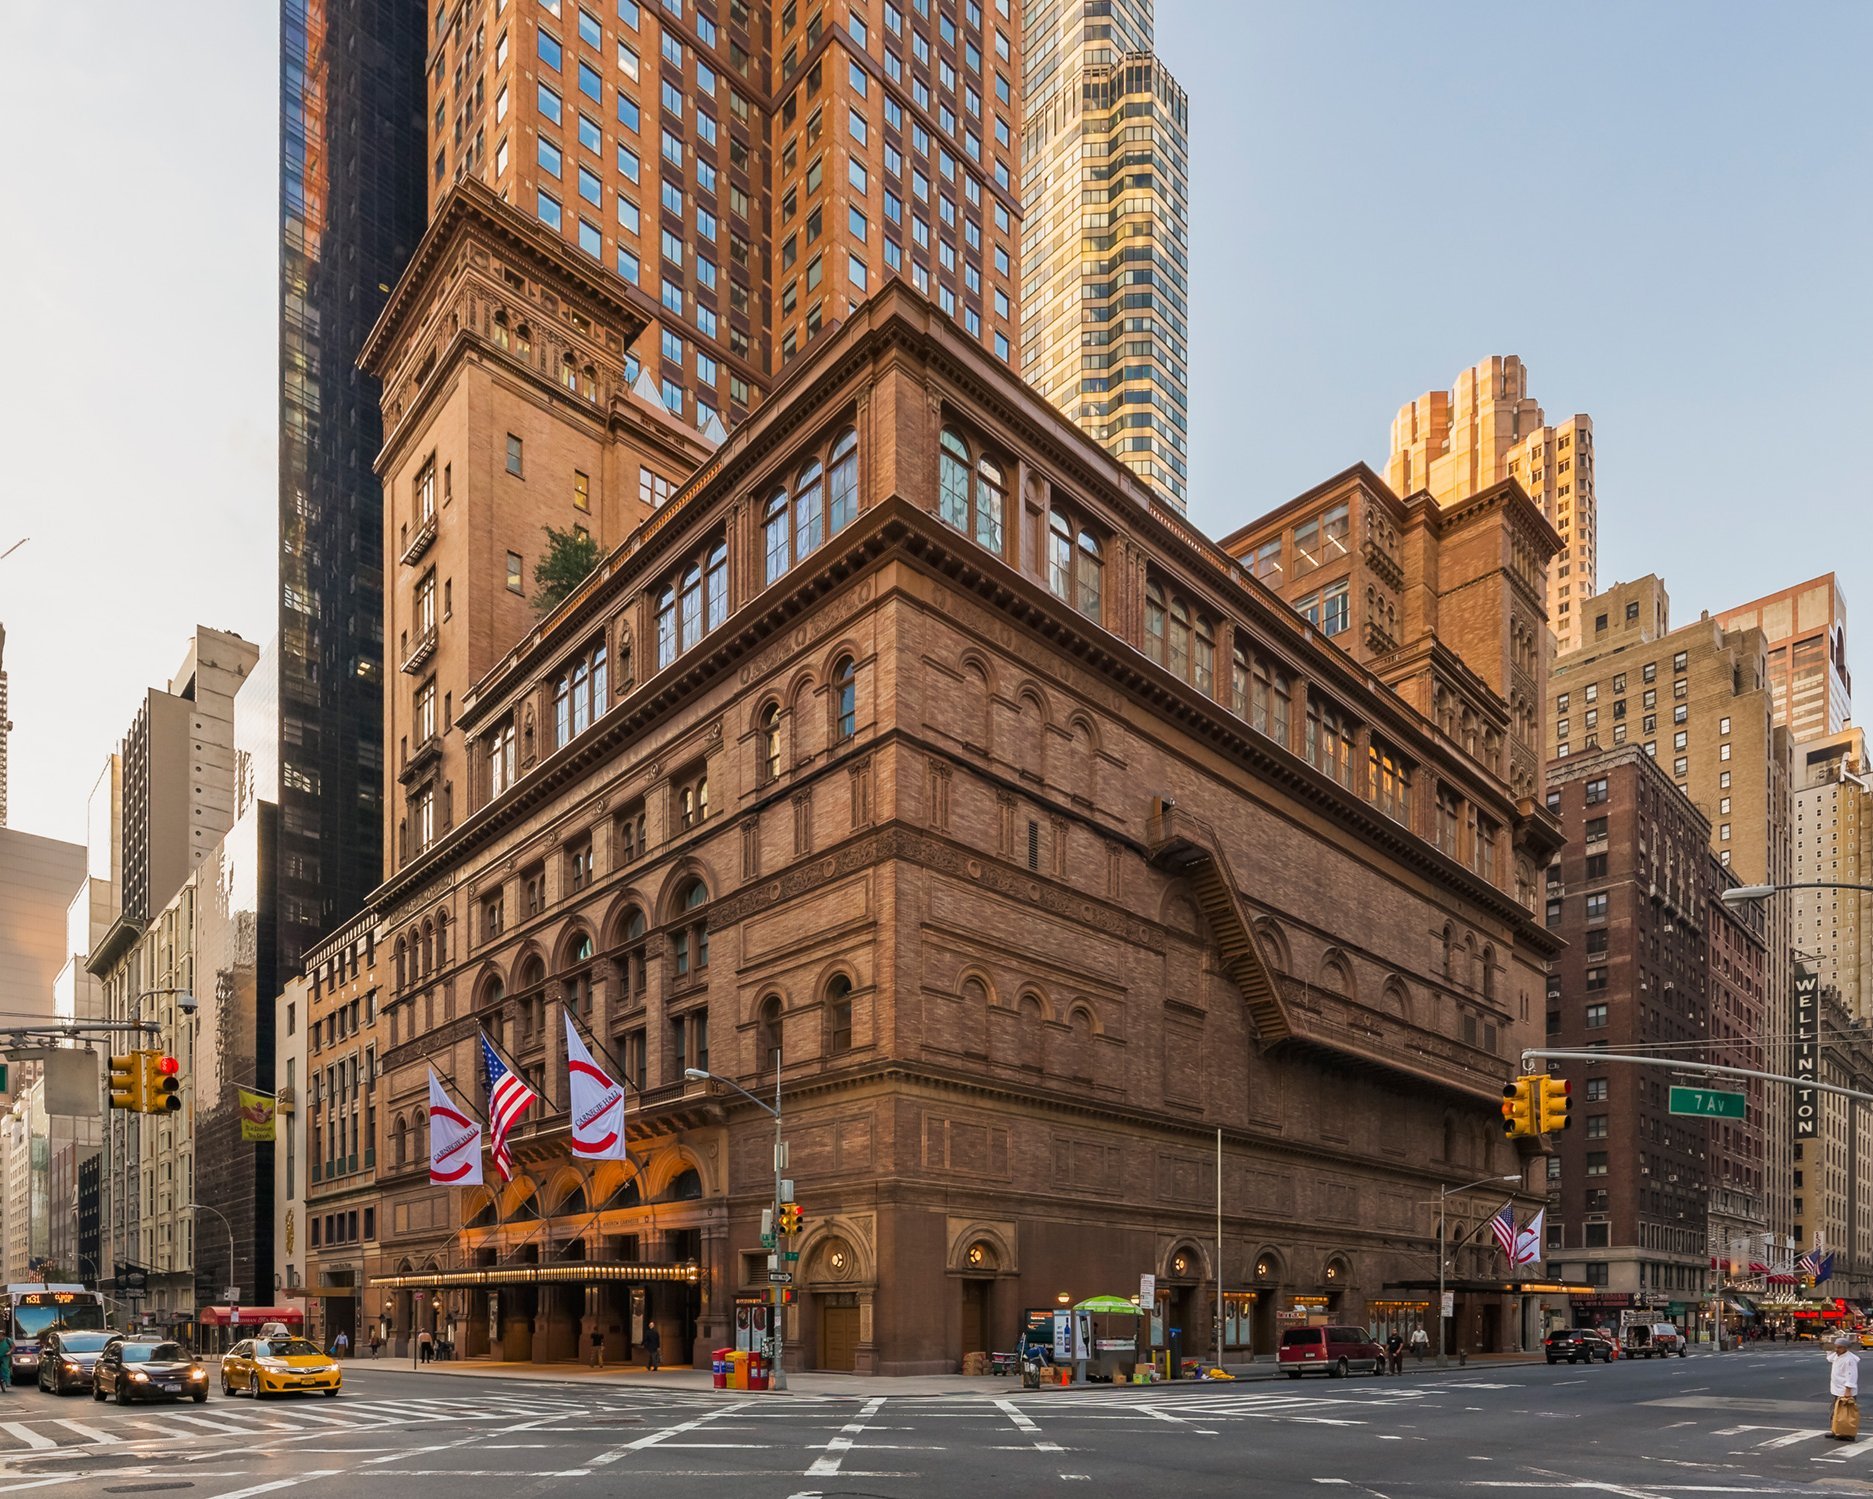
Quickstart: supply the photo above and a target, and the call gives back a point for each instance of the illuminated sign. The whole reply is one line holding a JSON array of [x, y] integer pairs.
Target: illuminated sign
[[1807, 1048], [50, 1298]]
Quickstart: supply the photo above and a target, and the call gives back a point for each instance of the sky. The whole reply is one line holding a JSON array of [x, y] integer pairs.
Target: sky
[[1664, 209]]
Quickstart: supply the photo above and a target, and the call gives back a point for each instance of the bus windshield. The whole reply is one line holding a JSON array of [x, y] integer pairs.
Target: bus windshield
[[34, 1318]]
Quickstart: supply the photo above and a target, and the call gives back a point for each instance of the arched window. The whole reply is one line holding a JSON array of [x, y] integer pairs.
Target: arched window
[[686, 1188], [1179, 638], [774, 530], [569, 373], [689, 940], [767, 744], [523, 340], [842, 483], [1075, 567], [1203, 662], [767, 1033], [1239, 681], [838, 1016], [844, 699], [403, 1145], [492, 995], [588, 383], [972, 499], [1154, 621], [809, 509], [692, 604], [442, 937], [631, 961], [403, 980], [500, 330]]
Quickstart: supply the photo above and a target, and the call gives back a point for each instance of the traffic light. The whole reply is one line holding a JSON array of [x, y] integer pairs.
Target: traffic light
[[126, 1082], [164, 1087], [1554, 1105], [1518, 1107], [790, 1217]]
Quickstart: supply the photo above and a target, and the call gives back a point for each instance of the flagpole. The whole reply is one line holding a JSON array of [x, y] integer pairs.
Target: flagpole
[[507, 1059]]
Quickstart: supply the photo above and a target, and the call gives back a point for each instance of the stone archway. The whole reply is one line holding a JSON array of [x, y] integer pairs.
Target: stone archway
[[832, 1325]]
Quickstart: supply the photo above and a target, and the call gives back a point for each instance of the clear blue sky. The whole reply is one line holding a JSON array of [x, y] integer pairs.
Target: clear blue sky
[[1664, 209]]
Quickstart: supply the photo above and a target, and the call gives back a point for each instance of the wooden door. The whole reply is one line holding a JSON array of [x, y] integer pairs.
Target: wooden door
[[975, 1316], [838, 1337]]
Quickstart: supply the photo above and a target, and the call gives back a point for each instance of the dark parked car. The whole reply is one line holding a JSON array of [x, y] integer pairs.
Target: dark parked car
[[147, 1369], [1577, 1345], [66, 1358]]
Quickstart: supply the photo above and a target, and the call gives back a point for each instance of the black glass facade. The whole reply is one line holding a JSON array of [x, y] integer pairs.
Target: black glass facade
[[351, 212]]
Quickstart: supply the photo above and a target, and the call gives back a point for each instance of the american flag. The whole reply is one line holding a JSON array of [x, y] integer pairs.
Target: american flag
[[508, 1097], [1810, 1263], [1503, 1226]]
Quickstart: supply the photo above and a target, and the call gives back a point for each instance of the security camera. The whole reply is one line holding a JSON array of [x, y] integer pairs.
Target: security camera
[[187, 1003]]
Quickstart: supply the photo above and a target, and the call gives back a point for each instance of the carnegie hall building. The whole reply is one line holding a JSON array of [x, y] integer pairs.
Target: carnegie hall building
[[1059, 863]]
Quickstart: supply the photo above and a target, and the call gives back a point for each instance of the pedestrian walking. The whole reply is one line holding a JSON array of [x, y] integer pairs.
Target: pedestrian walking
[[598, 1347], [425, 1345], [341, 1345], [6, 1362], [377, 1342], [1420, 1343], [1395, 1352], [1844, 1385], [653, 1346]]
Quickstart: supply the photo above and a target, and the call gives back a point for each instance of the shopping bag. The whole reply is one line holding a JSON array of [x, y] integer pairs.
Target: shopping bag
[[1846, 1417]]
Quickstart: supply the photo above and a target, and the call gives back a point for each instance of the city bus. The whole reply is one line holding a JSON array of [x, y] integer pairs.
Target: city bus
[[29, 1311]]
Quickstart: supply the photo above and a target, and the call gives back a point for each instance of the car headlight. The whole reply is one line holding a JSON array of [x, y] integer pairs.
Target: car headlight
[[139, 1376], [198, 1374], [70, 1367]]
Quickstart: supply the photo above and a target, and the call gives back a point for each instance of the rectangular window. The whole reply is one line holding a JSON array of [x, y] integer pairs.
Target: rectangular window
[[513, 455], [549, 211], [513, 572]]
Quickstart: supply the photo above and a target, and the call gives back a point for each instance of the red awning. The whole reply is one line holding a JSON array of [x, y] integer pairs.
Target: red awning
[[218, 1316]]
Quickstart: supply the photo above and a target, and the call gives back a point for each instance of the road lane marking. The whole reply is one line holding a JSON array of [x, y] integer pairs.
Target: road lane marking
[[278, 1483], [96, 1434], [27, 1435], [665, 1434], [838, 1446]]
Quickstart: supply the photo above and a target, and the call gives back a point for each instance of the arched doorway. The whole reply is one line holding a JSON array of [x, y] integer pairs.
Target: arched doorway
[[1266, 1269]]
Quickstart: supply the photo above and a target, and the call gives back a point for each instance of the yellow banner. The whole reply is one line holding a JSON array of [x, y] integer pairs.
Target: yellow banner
[[256, 1115]]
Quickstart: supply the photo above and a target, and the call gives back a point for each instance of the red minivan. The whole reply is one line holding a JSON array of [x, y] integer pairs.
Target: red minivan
[[1334, 1351]]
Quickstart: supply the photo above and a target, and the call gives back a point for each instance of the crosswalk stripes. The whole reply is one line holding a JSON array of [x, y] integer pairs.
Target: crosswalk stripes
[[44, 1433]]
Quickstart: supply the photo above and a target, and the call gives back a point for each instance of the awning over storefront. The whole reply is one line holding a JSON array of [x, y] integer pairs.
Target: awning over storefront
[[1741, 1305], [1493, 1287], [586, 1273], [248, 1316]]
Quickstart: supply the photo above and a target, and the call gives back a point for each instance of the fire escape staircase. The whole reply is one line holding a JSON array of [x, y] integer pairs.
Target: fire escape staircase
[[1188, 847]]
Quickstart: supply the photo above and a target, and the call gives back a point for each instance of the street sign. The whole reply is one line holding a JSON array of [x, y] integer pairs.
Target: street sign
[[1450, 1304], [780, 1277], [792, 1255], [767, 1241], [230, 1293], [1147, 1290], [1709, 1103]]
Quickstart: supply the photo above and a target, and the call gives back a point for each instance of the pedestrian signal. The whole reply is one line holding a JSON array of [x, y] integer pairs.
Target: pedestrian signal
[[1518, 1108], [1555, 1104]]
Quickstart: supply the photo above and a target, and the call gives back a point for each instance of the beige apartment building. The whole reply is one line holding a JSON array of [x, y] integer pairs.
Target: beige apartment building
[[1699, 700], [1488, 428], [1833, 1202], [1106, 237], [753, 171], [1834, 845], [1806, 627]]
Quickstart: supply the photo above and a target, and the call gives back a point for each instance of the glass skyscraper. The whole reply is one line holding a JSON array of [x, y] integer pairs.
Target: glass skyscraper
[[1105, 234], [351, 212]]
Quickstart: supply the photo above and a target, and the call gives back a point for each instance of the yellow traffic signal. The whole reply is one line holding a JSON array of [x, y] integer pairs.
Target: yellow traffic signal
[[126, 1082], [1518, 1107], [162, 1087], [1555, 1104], [790, 1217]]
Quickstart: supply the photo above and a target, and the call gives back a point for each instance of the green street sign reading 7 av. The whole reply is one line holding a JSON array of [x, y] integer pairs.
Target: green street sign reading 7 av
[[1709, 1103]]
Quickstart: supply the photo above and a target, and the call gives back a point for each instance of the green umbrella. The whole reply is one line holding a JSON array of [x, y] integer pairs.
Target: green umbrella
[[1109, 1304]]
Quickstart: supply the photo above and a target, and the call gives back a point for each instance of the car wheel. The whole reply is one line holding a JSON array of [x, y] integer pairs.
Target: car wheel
[[123, 1394], [1340, 1369], [253, 1385], [226, 1392], [329, 1393], [97, 1390], [1294, 1374], [1681, 1353], [201, 1397]]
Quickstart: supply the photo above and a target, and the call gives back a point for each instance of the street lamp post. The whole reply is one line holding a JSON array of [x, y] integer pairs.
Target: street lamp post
[[233, 1308], [1444, 1193], [777, 1379]]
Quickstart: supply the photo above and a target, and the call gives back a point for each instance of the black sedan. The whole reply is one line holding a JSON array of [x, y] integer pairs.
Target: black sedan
[[66, 1359], [130, 1370]]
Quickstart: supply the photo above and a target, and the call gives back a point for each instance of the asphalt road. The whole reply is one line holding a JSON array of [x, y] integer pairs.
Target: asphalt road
[[1732, 1424]]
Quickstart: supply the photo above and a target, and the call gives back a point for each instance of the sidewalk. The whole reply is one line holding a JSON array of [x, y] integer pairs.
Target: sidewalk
[[818, 1382]]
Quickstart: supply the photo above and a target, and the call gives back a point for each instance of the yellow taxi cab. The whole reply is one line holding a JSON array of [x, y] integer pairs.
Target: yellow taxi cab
[[277, 1366], [1866, 1337]]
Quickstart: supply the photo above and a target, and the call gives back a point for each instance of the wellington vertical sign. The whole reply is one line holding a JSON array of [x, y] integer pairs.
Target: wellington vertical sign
[[1807, 1045]]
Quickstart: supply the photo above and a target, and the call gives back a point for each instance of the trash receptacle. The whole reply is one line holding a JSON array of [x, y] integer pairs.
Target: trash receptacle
[[738, 1370], [1177, 1353], [718, 1367], [757, 1371]]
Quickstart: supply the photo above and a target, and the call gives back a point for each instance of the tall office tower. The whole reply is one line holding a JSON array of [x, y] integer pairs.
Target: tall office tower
[[1806, 627], [1834, 846], [754, 181], [1458, 442], [6, 727], [1698, 699], [351, 211], [1106, 235]]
